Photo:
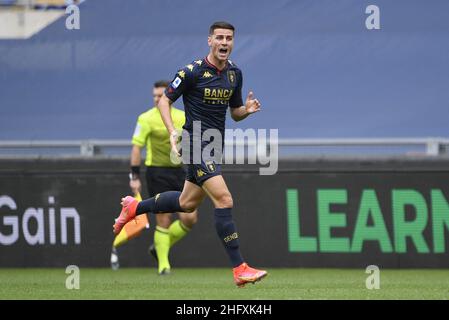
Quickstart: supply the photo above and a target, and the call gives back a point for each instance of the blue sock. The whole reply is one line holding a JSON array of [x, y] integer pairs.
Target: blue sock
[[165, 202], [226, 231]]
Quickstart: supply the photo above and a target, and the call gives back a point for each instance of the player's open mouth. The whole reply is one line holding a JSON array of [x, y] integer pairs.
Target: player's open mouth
[[223, 51]]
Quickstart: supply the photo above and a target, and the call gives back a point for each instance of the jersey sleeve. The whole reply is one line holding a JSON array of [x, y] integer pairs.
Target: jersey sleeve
[[236, 100], [182, 81], [141, 132]]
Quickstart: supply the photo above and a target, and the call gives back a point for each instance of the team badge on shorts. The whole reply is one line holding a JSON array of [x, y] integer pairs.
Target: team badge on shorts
[[210, 166]]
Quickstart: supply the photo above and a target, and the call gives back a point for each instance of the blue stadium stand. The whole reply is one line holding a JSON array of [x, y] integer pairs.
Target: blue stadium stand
[[313, 64], [7, 2]]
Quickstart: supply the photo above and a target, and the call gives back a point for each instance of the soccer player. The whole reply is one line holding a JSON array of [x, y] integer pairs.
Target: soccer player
[[208, 86], [161, 174]]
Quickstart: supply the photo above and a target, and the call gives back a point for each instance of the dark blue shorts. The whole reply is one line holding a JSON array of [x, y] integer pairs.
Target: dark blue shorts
[[199, 173]]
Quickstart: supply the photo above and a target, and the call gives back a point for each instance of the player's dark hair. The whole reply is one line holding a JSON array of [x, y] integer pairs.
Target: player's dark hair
[[161, 84], [220, 25]]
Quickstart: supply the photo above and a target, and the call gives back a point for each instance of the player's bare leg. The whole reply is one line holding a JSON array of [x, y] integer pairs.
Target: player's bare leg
[[188, 219], [163, 220], [218, 192], [191, 197]]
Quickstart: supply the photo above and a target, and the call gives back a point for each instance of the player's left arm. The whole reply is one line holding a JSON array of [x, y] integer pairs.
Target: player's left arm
[[251, 106]]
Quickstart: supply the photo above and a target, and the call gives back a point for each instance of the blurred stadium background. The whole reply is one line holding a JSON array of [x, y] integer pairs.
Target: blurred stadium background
[[362, 118]]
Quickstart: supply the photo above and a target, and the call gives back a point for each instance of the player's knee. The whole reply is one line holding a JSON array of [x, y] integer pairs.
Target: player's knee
[[190, 219], [225, 201], [187, 205]]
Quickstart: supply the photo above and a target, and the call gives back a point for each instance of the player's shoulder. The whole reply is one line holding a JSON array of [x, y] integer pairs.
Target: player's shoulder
[[198, 63], [191, 68], [233, 66]]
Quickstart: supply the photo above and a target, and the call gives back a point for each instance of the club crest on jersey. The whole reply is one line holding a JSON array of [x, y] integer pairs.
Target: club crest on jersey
[[231, 76], [176, 82]]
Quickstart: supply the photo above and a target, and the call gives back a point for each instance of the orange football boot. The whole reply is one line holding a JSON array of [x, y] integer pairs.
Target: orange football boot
[[129, 206], [244, 274]]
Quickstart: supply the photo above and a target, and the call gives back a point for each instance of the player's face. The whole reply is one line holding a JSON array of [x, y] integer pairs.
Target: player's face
[[157, 94], [221, 43]]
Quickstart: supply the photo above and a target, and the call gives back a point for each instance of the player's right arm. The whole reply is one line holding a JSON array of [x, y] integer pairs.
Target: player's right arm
[[164, 109], [183, 80]]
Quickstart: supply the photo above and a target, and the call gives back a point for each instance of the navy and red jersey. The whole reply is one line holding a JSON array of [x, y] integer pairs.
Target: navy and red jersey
[[207, 93]]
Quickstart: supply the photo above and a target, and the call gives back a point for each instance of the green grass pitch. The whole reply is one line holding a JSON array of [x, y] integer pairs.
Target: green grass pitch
[[199, 284]]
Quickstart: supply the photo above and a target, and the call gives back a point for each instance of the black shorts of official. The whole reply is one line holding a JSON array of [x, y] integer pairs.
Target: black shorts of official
[[162, 179], [199, 173]]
